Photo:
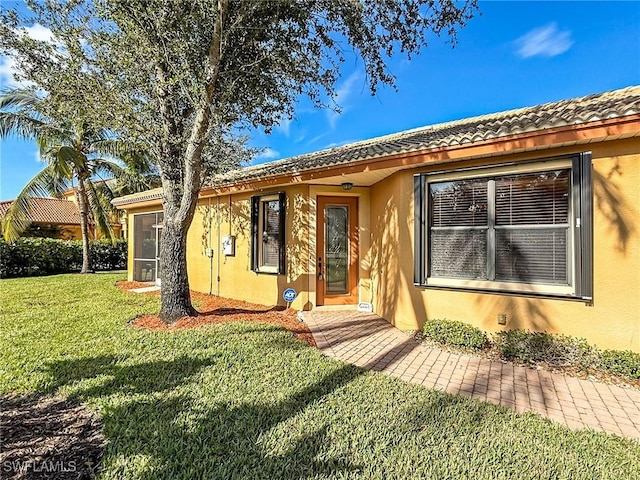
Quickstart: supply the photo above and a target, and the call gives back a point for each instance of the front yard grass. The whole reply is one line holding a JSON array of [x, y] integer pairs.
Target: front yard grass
[[248, 401]]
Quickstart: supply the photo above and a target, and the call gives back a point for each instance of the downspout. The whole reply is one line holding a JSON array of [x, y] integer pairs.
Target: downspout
[[311, 255], [210, 256], [219, 243]]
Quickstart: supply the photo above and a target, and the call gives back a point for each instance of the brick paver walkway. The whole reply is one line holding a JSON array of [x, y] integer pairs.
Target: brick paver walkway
[[368, 341]]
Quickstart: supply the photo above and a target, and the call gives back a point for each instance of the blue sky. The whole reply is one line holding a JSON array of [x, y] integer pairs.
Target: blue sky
[[514, 54]]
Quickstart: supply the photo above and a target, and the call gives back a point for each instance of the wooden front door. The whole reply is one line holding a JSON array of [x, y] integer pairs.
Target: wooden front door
[[337, 251]]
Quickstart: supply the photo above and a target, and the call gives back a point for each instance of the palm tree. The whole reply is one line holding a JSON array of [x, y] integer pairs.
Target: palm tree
[[73, 153]]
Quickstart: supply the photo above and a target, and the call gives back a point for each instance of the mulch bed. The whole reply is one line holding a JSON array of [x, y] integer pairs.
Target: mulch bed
[[47, 438], [215, 310]]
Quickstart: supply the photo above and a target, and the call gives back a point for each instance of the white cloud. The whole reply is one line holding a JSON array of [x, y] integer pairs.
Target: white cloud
[[7, 70], [343, 92], [284, 126], [317, 137], [39, 32], [546, 41], [267, 154], [8, 66], [339, 144]]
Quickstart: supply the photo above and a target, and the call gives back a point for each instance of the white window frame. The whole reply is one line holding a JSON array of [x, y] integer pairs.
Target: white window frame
[[261, 206]]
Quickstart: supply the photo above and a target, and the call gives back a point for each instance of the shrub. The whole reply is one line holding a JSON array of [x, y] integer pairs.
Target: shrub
[[451, 332], [541, 347], [624, 363], [28, 257], [108, 256]]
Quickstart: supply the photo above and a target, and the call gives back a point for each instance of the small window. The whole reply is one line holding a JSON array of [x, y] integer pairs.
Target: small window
[[268, 222], [528, 230]]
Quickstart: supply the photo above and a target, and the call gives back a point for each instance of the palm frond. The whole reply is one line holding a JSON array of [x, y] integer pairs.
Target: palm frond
[[50, 136], [60, 166], [75, 160], [101, 166], [133, 156], [19, 98], [19, 125], [102, 211], [109, 147]]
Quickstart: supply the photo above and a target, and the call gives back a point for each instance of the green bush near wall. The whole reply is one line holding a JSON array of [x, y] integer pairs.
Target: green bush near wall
[[537, 348], [554, 350], [622, 363], [28, 257], [452, 332]]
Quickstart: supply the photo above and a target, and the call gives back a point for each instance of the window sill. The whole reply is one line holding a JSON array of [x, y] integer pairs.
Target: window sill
[[505, 288], [268, 270]]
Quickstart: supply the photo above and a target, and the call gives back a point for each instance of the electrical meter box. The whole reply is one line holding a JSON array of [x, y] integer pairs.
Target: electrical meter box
[[229, 245]]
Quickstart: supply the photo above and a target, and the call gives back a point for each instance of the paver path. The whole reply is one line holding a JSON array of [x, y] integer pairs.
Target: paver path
[[368, 341]]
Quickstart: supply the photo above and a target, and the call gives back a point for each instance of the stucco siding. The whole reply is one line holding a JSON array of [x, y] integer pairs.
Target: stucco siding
[[231, 275], [613, 319]]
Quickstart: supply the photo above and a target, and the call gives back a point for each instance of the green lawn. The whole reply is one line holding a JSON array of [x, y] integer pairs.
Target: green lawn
[[249, 401]]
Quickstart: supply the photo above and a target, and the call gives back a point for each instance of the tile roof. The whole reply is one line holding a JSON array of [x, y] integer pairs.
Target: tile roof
[[49, 210], [583, 110], [603, 106]]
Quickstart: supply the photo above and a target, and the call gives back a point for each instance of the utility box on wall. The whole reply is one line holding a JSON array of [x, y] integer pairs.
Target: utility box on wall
[[229, 245]]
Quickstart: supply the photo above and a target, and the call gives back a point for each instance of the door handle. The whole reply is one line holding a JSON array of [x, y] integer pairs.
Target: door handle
[[320, 272]]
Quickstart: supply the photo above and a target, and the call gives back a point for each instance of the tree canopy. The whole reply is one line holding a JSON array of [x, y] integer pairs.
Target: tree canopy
[[173, 73]]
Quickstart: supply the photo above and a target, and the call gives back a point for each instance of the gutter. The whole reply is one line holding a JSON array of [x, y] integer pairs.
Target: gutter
[[455, 151]]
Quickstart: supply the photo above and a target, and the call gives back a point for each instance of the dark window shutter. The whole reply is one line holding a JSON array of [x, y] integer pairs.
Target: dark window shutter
[[419, 240], [255, 222], [583, 207], [282, 200]]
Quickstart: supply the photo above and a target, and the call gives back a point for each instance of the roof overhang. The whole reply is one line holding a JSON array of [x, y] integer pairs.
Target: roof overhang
[[368, 171]]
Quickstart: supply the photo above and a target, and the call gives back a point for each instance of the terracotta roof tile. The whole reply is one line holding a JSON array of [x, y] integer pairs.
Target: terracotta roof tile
[[49, 210], [592, 108], [614, 104]]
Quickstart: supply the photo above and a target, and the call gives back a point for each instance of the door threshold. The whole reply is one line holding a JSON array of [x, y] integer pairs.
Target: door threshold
[[335, 308]]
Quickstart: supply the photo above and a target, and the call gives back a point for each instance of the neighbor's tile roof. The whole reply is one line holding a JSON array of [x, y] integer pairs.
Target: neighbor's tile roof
[[592, 108], [49, 210]]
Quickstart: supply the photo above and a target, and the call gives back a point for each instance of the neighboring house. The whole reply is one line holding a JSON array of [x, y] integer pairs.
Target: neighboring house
[[55, 218], [528, 217]]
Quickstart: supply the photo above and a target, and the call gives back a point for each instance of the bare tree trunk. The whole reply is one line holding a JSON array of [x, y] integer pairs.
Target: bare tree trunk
[[176, 297], [83, 205], [181, 184]]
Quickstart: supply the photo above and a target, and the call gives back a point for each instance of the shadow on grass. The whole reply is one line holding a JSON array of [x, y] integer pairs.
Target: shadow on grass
[[108, 374], [163, 420], [226, 441]]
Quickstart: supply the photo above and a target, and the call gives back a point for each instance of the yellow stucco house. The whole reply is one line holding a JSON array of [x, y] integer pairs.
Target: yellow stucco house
[[522, 219]]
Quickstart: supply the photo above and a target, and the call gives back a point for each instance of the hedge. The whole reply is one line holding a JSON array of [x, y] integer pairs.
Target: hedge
[[537, 348], [533, 348], [28, 257], [555, 350], [452, 332]]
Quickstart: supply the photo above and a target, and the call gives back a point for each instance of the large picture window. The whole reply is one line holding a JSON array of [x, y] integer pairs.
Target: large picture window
[[268, 223], [528, 229]]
